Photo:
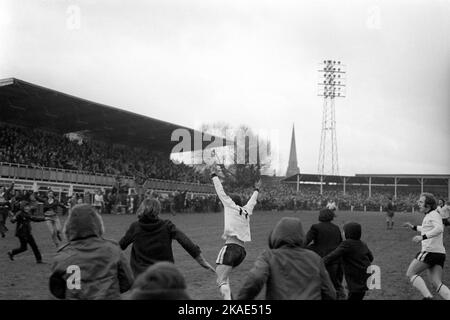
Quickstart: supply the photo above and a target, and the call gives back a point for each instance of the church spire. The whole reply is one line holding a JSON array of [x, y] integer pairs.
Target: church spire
[[292, 165]]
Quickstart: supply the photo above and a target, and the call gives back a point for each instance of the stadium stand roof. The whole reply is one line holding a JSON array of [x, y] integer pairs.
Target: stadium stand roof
[[409, 179], [387, 179], [29, 105]]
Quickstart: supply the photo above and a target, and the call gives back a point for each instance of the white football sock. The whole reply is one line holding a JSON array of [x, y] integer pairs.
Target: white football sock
[[225, 290], [444, 291], [420, 285]]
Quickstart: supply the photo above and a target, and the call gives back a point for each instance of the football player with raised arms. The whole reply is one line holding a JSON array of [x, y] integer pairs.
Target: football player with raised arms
[[236, 233]]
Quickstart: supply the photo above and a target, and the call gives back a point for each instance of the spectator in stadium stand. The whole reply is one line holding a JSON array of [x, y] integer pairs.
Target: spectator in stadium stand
[[323, 238], [432, 254], [23, 219], [287, 269], [51, 205], [101, 267], [444, 210], [152, 237], [161, 281], [390, 210], [236, 233], [356, 258]]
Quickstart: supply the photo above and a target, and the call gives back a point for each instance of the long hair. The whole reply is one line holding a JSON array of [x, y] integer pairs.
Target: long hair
[[237, 199], [430, 200], [149, 207]]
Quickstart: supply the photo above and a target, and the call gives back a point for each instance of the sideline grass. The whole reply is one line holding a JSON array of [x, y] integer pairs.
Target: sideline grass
[[393, 250]]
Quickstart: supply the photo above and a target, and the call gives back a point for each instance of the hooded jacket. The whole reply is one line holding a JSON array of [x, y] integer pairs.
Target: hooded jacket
[[356, 258], [152, 242], [289, 271], [100, 264], [325, 236]]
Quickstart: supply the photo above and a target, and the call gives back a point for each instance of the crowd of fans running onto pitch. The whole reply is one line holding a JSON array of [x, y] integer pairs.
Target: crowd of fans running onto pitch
[[150, 273]]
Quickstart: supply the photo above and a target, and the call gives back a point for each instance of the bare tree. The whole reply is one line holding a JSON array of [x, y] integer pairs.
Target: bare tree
[[241, 158]]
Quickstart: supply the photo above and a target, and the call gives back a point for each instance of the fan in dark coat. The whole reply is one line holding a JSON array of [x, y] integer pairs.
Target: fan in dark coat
[[23, 219], [152, 239], [323, 238], [356, 258]]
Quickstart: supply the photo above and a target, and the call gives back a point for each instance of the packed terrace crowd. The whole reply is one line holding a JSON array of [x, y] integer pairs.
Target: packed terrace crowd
[[42, 149]]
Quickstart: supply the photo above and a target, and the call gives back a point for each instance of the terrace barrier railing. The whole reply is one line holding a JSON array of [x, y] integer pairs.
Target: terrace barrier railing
[[46, 174]]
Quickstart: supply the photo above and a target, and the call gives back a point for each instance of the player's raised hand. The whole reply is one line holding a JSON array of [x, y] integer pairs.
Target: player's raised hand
[[214, 169], [258, 184]]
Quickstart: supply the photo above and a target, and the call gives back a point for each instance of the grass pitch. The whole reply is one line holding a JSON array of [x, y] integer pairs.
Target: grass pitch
[[393, 250]]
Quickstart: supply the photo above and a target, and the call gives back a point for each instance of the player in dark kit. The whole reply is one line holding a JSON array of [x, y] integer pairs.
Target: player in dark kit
[[390, 209]]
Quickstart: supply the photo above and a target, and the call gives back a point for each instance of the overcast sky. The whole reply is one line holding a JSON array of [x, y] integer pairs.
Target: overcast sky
[[253, 62]]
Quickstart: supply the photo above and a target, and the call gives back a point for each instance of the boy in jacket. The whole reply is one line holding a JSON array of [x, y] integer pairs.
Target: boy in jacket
[[356, 258], [289, 271], [152, 239], [89, 267], [23, 219]]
